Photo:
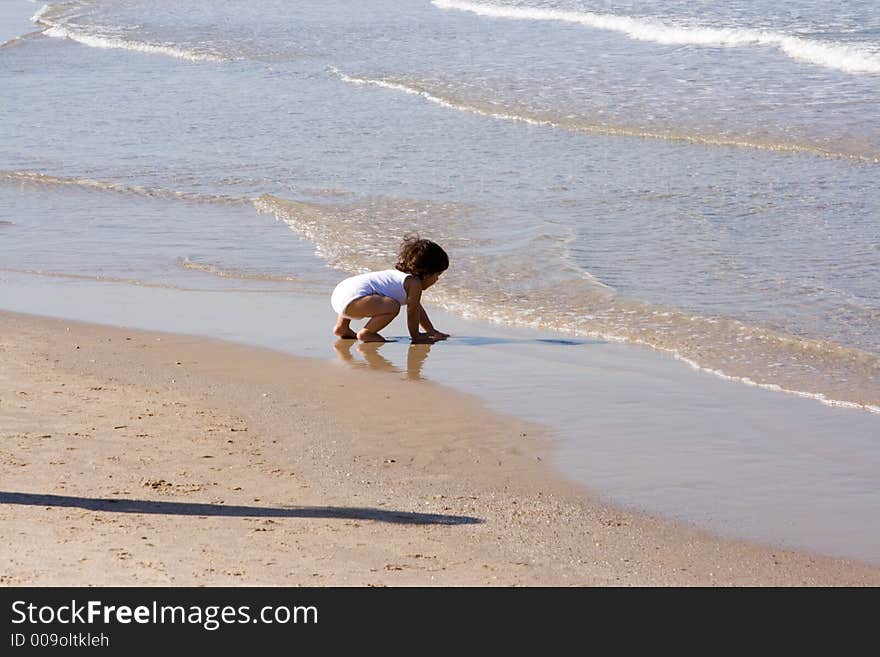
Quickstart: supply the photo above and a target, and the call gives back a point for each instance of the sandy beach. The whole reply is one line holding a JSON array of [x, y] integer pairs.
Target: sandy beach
[[137, 458]]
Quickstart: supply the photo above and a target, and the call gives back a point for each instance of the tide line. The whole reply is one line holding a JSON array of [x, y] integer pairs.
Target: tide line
[[613, 131]]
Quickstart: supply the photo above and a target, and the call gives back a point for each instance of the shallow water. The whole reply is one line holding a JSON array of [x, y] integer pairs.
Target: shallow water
[[698, 178]]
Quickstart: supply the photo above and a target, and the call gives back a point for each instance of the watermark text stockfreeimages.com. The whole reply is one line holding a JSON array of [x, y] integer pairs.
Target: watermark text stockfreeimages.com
[[210, 617]]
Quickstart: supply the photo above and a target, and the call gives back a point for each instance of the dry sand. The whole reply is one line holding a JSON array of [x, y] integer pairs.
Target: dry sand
[[134, 458]]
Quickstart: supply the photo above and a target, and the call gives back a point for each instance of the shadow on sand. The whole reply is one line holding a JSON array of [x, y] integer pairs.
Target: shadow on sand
[[187, 509]]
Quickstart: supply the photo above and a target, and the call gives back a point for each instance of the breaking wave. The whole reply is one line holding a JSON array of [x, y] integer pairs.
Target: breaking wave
[[55, 25], [850, 59]]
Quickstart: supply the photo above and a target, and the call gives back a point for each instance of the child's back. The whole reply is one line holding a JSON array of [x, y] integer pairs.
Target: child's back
[[388, 283]]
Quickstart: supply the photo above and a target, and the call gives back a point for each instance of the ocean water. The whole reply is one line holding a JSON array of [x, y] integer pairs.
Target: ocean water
[[696, 177]]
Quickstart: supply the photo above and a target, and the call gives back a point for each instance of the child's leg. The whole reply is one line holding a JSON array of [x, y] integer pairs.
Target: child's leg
[[381, 310], [342, 328]]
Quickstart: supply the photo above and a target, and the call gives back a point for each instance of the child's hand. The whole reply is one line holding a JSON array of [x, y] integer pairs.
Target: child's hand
[[438, 335]]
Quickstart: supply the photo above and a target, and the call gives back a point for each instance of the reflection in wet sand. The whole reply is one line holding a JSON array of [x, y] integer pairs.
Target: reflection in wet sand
[[416, 356], [415, 359]]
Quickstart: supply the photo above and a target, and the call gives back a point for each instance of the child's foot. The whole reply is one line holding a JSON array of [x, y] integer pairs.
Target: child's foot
[[368, 336], [345, 333], [343, 329]]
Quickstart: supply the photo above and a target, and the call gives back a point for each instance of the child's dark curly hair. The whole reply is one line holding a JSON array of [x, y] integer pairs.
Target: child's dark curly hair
[[421, 257]]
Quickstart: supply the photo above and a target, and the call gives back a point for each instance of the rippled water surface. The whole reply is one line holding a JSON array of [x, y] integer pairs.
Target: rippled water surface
[[700, 177]]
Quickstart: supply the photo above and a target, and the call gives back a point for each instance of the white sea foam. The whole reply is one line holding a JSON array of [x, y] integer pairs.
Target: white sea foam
[[817, 396], [91, 36], [850, 59], [470, 310], [397, 86], [95, 41], [42, 11]]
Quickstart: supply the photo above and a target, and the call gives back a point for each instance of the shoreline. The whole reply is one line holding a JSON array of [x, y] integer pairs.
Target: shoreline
[[636, 428], [275, 478]]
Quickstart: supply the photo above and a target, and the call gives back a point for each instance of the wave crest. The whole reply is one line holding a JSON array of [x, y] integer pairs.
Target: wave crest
[[850, 59], [49, 17], [536, 119]]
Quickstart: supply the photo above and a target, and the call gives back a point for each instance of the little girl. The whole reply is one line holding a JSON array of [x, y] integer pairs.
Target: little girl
[[380, 294]]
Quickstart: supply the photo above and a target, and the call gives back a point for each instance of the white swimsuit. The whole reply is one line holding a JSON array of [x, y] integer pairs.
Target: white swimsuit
[[388, 283]]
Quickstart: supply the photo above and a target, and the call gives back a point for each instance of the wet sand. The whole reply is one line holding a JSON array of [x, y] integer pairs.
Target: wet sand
[[137, 458]]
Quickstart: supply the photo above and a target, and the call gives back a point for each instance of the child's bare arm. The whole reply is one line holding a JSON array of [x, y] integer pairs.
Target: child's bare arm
[[425, 321], [429, 327], [414, 310]]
